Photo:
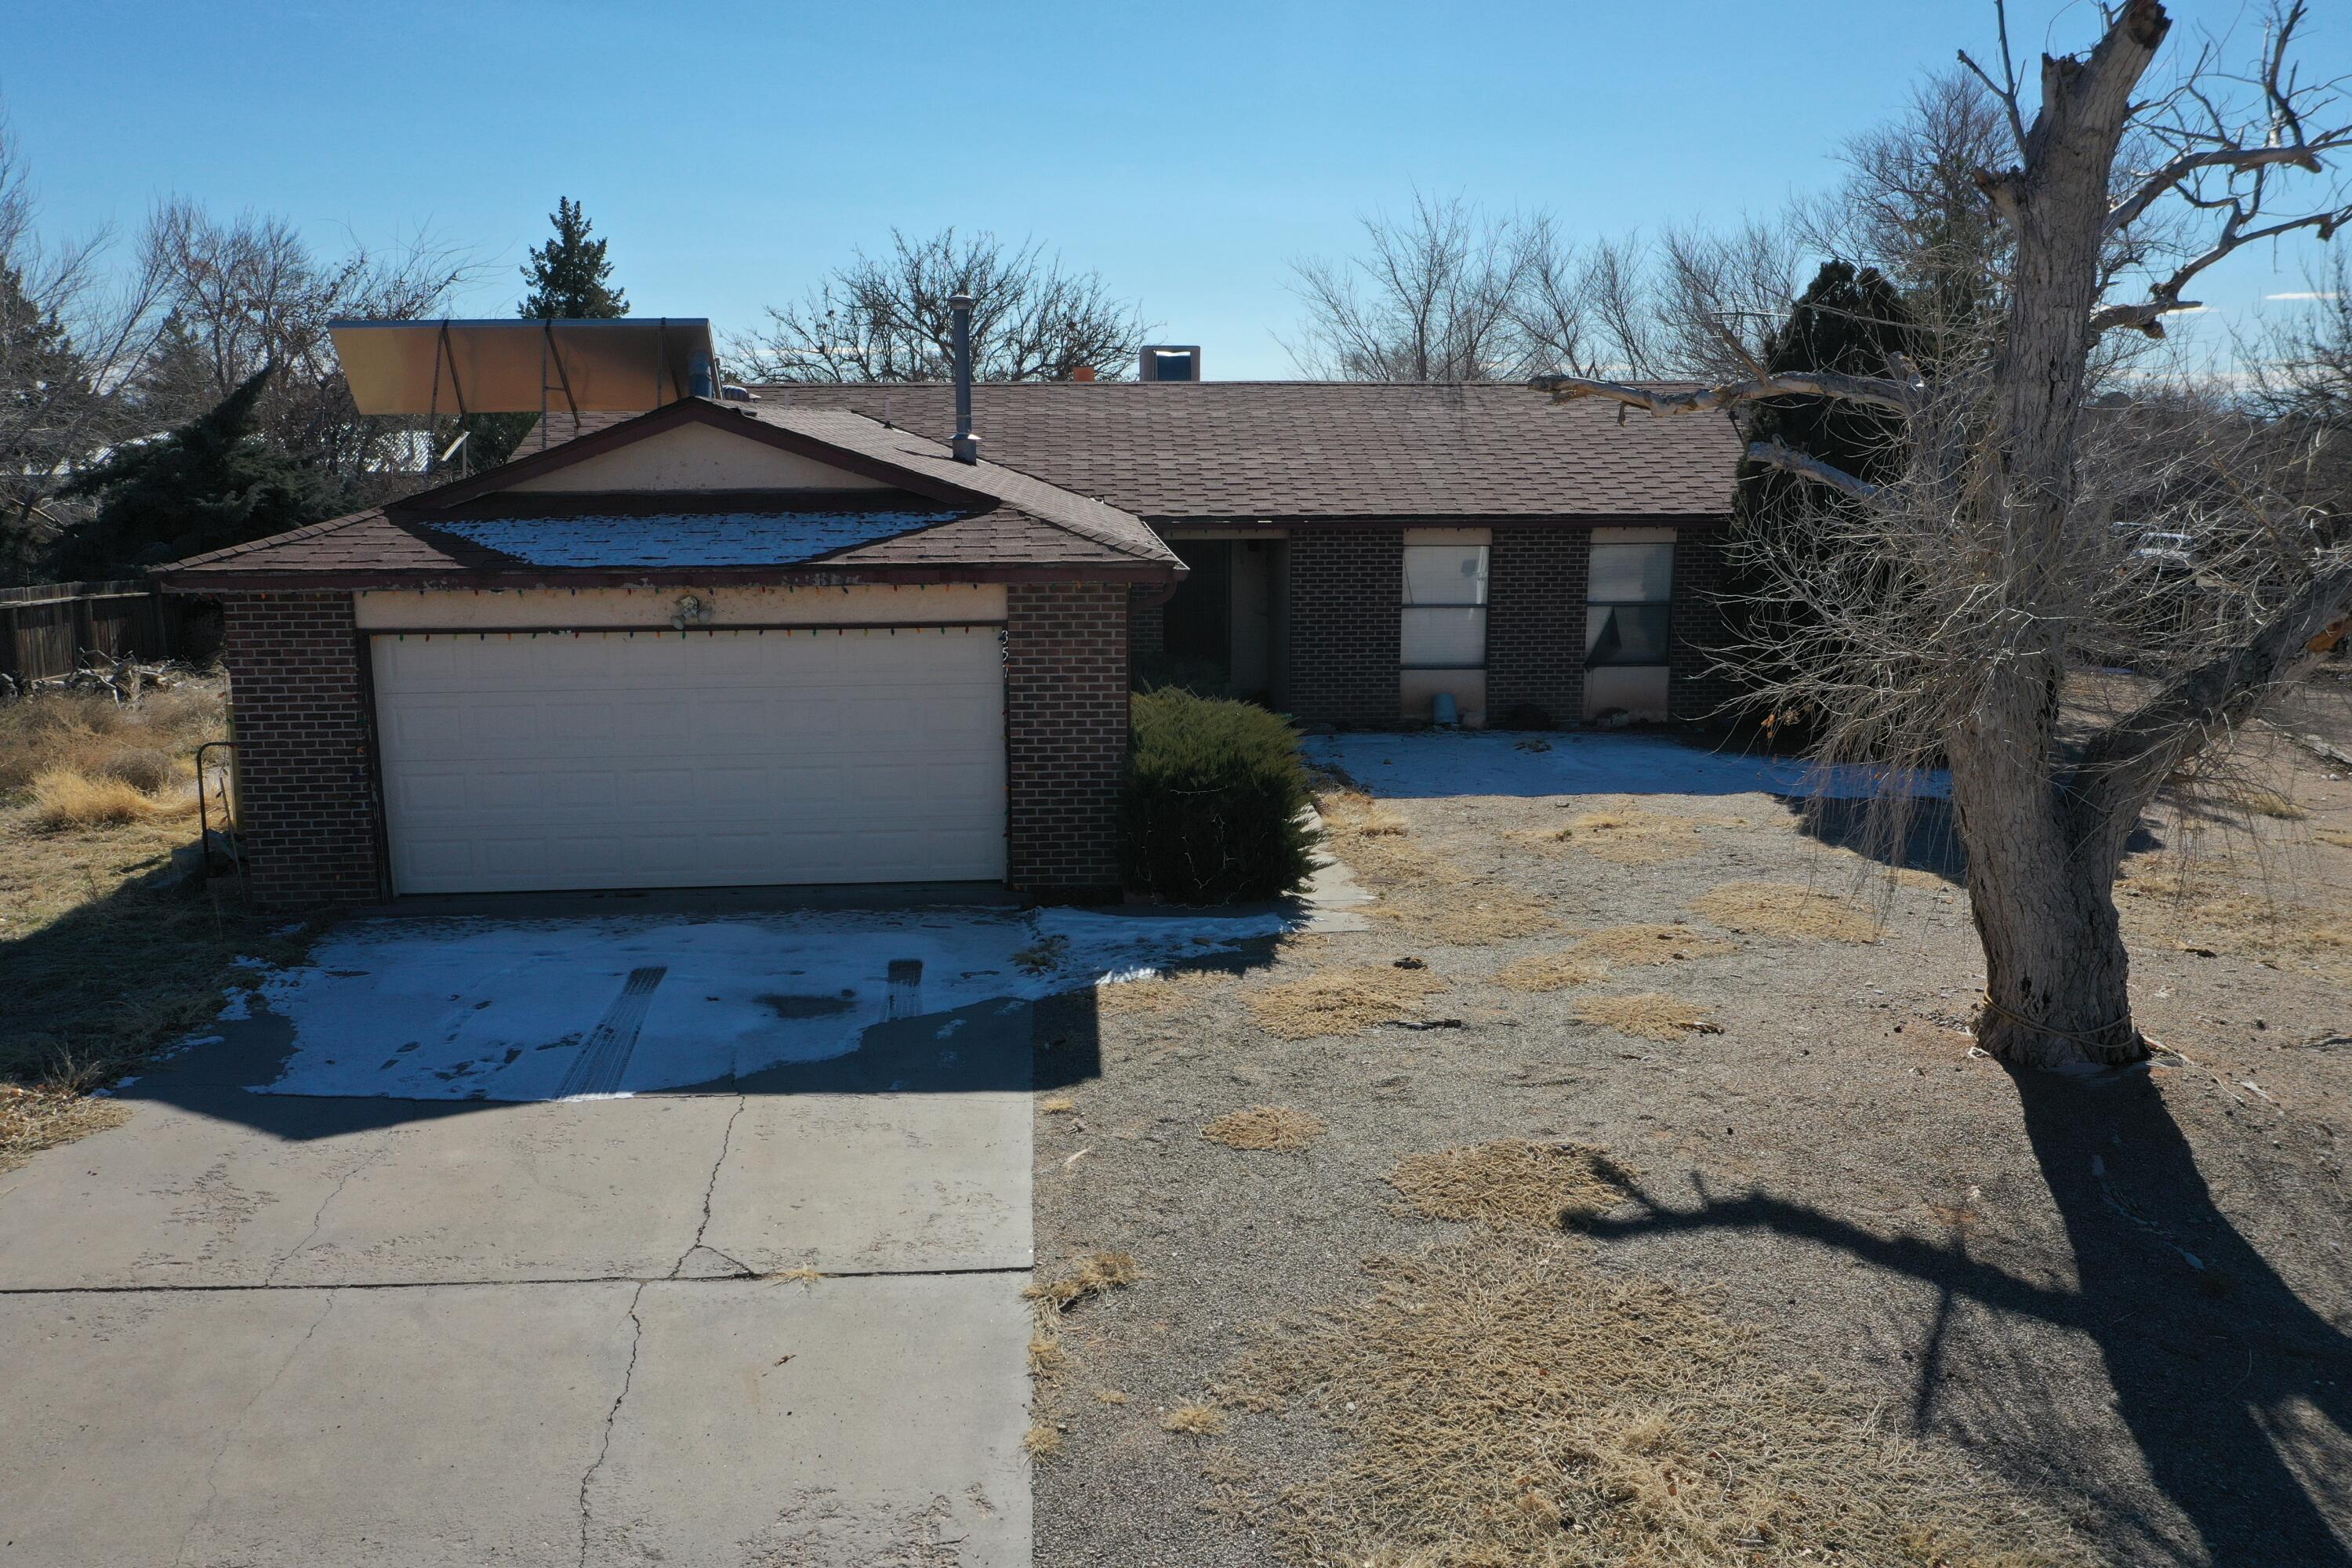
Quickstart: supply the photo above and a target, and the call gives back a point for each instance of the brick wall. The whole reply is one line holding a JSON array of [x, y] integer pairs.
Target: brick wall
[[1346, 584], [306, 799], [1693, 691], [1535, 622], [1066, 674]]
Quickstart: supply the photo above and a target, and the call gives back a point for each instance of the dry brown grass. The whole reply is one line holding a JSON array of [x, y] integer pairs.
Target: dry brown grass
[[1649, 1014], [1629, 837], [1423, 897], [1057, 1105], [67, 800], [146, 744], [1501, 1401], [2222, 917], [1164, 995], [1550, 972], [1372, 839], [1089, 1275], [1785, 908], [1264, 1127], [1341, 1001], [1042, 1441], [1630, 947], [2263, 801], [32, 1119], [1512, 1181], [1464, 913], [1195, 1420], [1594, 957], [2337, 836]]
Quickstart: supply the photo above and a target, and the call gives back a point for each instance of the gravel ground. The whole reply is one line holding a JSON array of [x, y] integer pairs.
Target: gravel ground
[[2127, 1298]]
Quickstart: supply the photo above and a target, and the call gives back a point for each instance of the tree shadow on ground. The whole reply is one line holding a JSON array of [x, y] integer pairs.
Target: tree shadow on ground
[[1923, 835], [2225, 1379]]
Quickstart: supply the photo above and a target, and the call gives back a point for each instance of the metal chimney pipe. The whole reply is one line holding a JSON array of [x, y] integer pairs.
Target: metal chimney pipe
[[967, 445]]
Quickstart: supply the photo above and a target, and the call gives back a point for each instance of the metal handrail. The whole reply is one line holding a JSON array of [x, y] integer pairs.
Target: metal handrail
[[204, 818]]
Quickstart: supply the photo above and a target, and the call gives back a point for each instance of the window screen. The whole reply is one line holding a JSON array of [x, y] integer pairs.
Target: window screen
[[1445, 617], [1632, 586]]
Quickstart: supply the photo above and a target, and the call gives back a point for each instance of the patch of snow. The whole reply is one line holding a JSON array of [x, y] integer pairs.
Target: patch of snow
[[1421, 766], [687, 539], [476, 1009]]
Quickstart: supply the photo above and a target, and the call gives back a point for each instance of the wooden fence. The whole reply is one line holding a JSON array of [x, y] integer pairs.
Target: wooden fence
[[54, 628]]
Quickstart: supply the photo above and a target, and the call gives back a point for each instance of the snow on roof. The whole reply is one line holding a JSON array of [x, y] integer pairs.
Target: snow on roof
[[686, 538]]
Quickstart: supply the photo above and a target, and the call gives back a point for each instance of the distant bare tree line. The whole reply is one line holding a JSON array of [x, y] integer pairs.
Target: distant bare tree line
[[108, 338]]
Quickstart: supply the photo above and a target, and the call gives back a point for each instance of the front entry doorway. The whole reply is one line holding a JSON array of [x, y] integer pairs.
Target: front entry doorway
[[1227, 618]]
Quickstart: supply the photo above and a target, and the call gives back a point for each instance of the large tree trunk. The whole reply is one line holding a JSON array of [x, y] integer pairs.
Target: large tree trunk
[[2039, 877], [2040, 873]]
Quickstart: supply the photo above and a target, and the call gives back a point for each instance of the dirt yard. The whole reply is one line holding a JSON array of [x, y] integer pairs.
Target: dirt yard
[[1630, 1192]]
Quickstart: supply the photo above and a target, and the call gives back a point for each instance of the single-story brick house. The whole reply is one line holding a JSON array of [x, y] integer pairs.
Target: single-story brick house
[[795, 639]]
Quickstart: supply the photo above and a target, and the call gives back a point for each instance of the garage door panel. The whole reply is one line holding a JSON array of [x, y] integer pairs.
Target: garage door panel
[[597, 762]]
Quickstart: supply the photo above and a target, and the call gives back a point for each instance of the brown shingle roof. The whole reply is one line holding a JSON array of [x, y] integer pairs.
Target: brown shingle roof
[[997, 521], [1309, 450]]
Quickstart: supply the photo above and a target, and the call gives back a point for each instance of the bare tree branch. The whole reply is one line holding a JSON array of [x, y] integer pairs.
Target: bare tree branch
[[1899, 397], [2005, 90], [886, 318], [2131, 757], [2146, 315], [1788, 459]]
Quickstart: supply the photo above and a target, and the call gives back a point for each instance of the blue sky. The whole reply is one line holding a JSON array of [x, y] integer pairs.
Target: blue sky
[[732, 152]]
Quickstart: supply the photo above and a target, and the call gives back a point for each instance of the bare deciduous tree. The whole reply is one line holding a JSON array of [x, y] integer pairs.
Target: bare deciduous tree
[[2302, 379], [1968, 591], [1445, 293], [887, 319], [1435, 296], [72, 333], [251, 291]]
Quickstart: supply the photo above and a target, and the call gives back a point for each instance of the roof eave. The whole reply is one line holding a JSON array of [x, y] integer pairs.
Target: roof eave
[[814, 575]]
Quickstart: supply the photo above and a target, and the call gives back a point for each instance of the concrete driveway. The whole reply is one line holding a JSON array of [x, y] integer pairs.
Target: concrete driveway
[[532, 1300]]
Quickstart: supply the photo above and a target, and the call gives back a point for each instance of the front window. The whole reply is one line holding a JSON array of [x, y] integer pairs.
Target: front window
[[1444, 606], [1632, 587]]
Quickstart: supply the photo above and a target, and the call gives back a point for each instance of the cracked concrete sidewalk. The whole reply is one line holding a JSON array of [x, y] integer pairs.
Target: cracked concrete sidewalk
[[267, 1330]]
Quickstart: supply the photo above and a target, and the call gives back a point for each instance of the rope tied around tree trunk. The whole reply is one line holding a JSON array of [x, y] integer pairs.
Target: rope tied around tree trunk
[[2094, 1039]]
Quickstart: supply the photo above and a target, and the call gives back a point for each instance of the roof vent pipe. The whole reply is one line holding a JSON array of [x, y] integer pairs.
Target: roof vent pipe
[[967, 445]]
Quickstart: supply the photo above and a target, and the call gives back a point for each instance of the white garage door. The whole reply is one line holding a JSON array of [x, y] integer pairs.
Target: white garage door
[[519, 763]]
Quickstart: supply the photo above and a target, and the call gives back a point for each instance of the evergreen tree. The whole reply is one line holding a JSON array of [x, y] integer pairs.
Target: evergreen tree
[[569, 281], [1847, 320], [213, 482], [47, 417], [568, 276], [175, 381]]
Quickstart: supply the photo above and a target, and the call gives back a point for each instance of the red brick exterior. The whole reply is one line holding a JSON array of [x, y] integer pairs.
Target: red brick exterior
[[1346, 585], [1694, 689], [1065, 683], [305, 772], [1535, 622], [308, 801]]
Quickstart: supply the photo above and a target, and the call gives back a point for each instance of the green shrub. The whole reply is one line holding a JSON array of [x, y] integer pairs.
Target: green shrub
[[1215, 802], [1153, 671]]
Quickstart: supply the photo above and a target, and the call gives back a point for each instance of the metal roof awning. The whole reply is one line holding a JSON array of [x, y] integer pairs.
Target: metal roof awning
[[524, 367]]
